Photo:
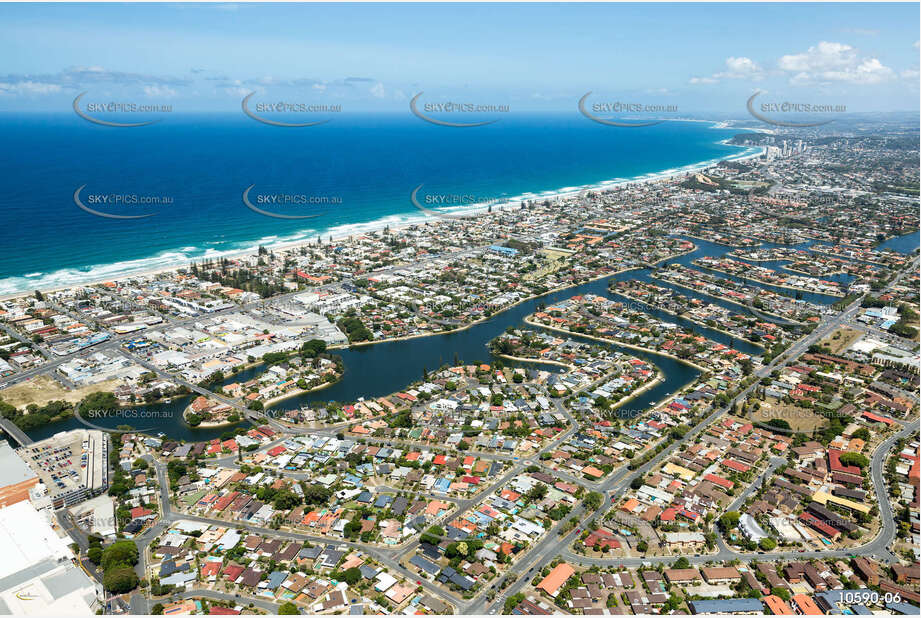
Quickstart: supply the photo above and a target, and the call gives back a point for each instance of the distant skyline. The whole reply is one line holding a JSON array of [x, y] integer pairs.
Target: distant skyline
[[532, 57]]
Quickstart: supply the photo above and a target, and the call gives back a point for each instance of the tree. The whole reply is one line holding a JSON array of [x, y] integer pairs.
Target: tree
[[286, 500], [288, 609], [681, 563], [537, 492], [729, 520], [781, 592], [352, 576], [767, 544], [119, 553], [157, 610], [512, 601], [673, 602], [120, 579], [854, 459], [593, 500], [314, 347]]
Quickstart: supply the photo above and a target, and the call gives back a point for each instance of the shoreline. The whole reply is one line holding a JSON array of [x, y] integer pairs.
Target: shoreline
[[776, 285], [299, 391], [692, 320], [527, 320], [660, 377], [744, 306], [378, 225], [513, 305], [499, 312]]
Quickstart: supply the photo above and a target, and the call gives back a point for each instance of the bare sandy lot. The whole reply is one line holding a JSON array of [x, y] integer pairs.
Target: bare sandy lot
[[841, 339], [800, 419], [42, 389]]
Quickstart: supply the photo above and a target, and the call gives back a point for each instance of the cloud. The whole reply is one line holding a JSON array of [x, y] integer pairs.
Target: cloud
[[28, 88], [82, 78], [833, 62], [736, 68], [741, 68], [159, 91]]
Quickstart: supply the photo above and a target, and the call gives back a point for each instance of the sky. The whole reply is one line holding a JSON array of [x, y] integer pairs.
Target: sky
[[366, 57]]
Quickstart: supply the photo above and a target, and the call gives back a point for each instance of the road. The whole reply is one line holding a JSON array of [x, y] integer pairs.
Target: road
[[552, 544]]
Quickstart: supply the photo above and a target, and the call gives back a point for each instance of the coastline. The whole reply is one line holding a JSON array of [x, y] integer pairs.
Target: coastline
[[663, 176]]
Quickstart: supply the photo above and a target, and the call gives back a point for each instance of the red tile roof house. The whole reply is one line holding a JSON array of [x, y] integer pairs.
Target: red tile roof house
[[735, 465], [834, 463], [601, 539], [210, 569], [232, 572], [718, 480], [225, 501]]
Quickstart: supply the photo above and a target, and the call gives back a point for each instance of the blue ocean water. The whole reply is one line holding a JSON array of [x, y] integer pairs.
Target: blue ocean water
[[369, 163]]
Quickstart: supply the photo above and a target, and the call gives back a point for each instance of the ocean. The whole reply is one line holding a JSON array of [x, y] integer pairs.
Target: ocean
[[360, 168]]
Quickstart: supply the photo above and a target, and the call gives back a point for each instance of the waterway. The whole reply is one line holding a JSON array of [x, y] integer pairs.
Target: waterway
[[384, 368]]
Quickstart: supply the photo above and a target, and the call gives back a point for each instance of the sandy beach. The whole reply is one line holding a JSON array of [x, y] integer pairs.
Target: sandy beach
[[377, 226]]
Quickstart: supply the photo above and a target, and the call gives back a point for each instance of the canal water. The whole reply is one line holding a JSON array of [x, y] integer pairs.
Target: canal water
[[383, 368]]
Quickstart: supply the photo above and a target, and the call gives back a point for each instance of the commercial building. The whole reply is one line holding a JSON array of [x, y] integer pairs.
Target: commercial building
[[37, 574], [16, 478], [73, 465]]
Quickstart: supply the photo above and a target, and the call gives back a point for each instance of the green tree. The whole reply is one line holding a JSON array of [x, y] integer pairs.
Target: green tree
[[351, 576], [120, 579], [119, 553], [288, 609]]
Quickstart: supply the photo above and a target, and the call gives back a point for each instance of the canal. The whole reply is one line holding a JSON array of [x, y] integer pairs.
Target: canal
[[383, 368]]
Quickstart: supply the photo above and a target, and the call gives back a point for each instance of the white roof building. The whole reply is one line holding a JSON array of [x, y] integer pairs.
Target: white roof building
[[37, 575]]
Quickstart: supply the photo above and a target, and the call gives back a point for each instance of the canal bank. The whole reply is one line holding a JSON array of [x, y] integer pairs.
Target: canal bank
[[383, 368]]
